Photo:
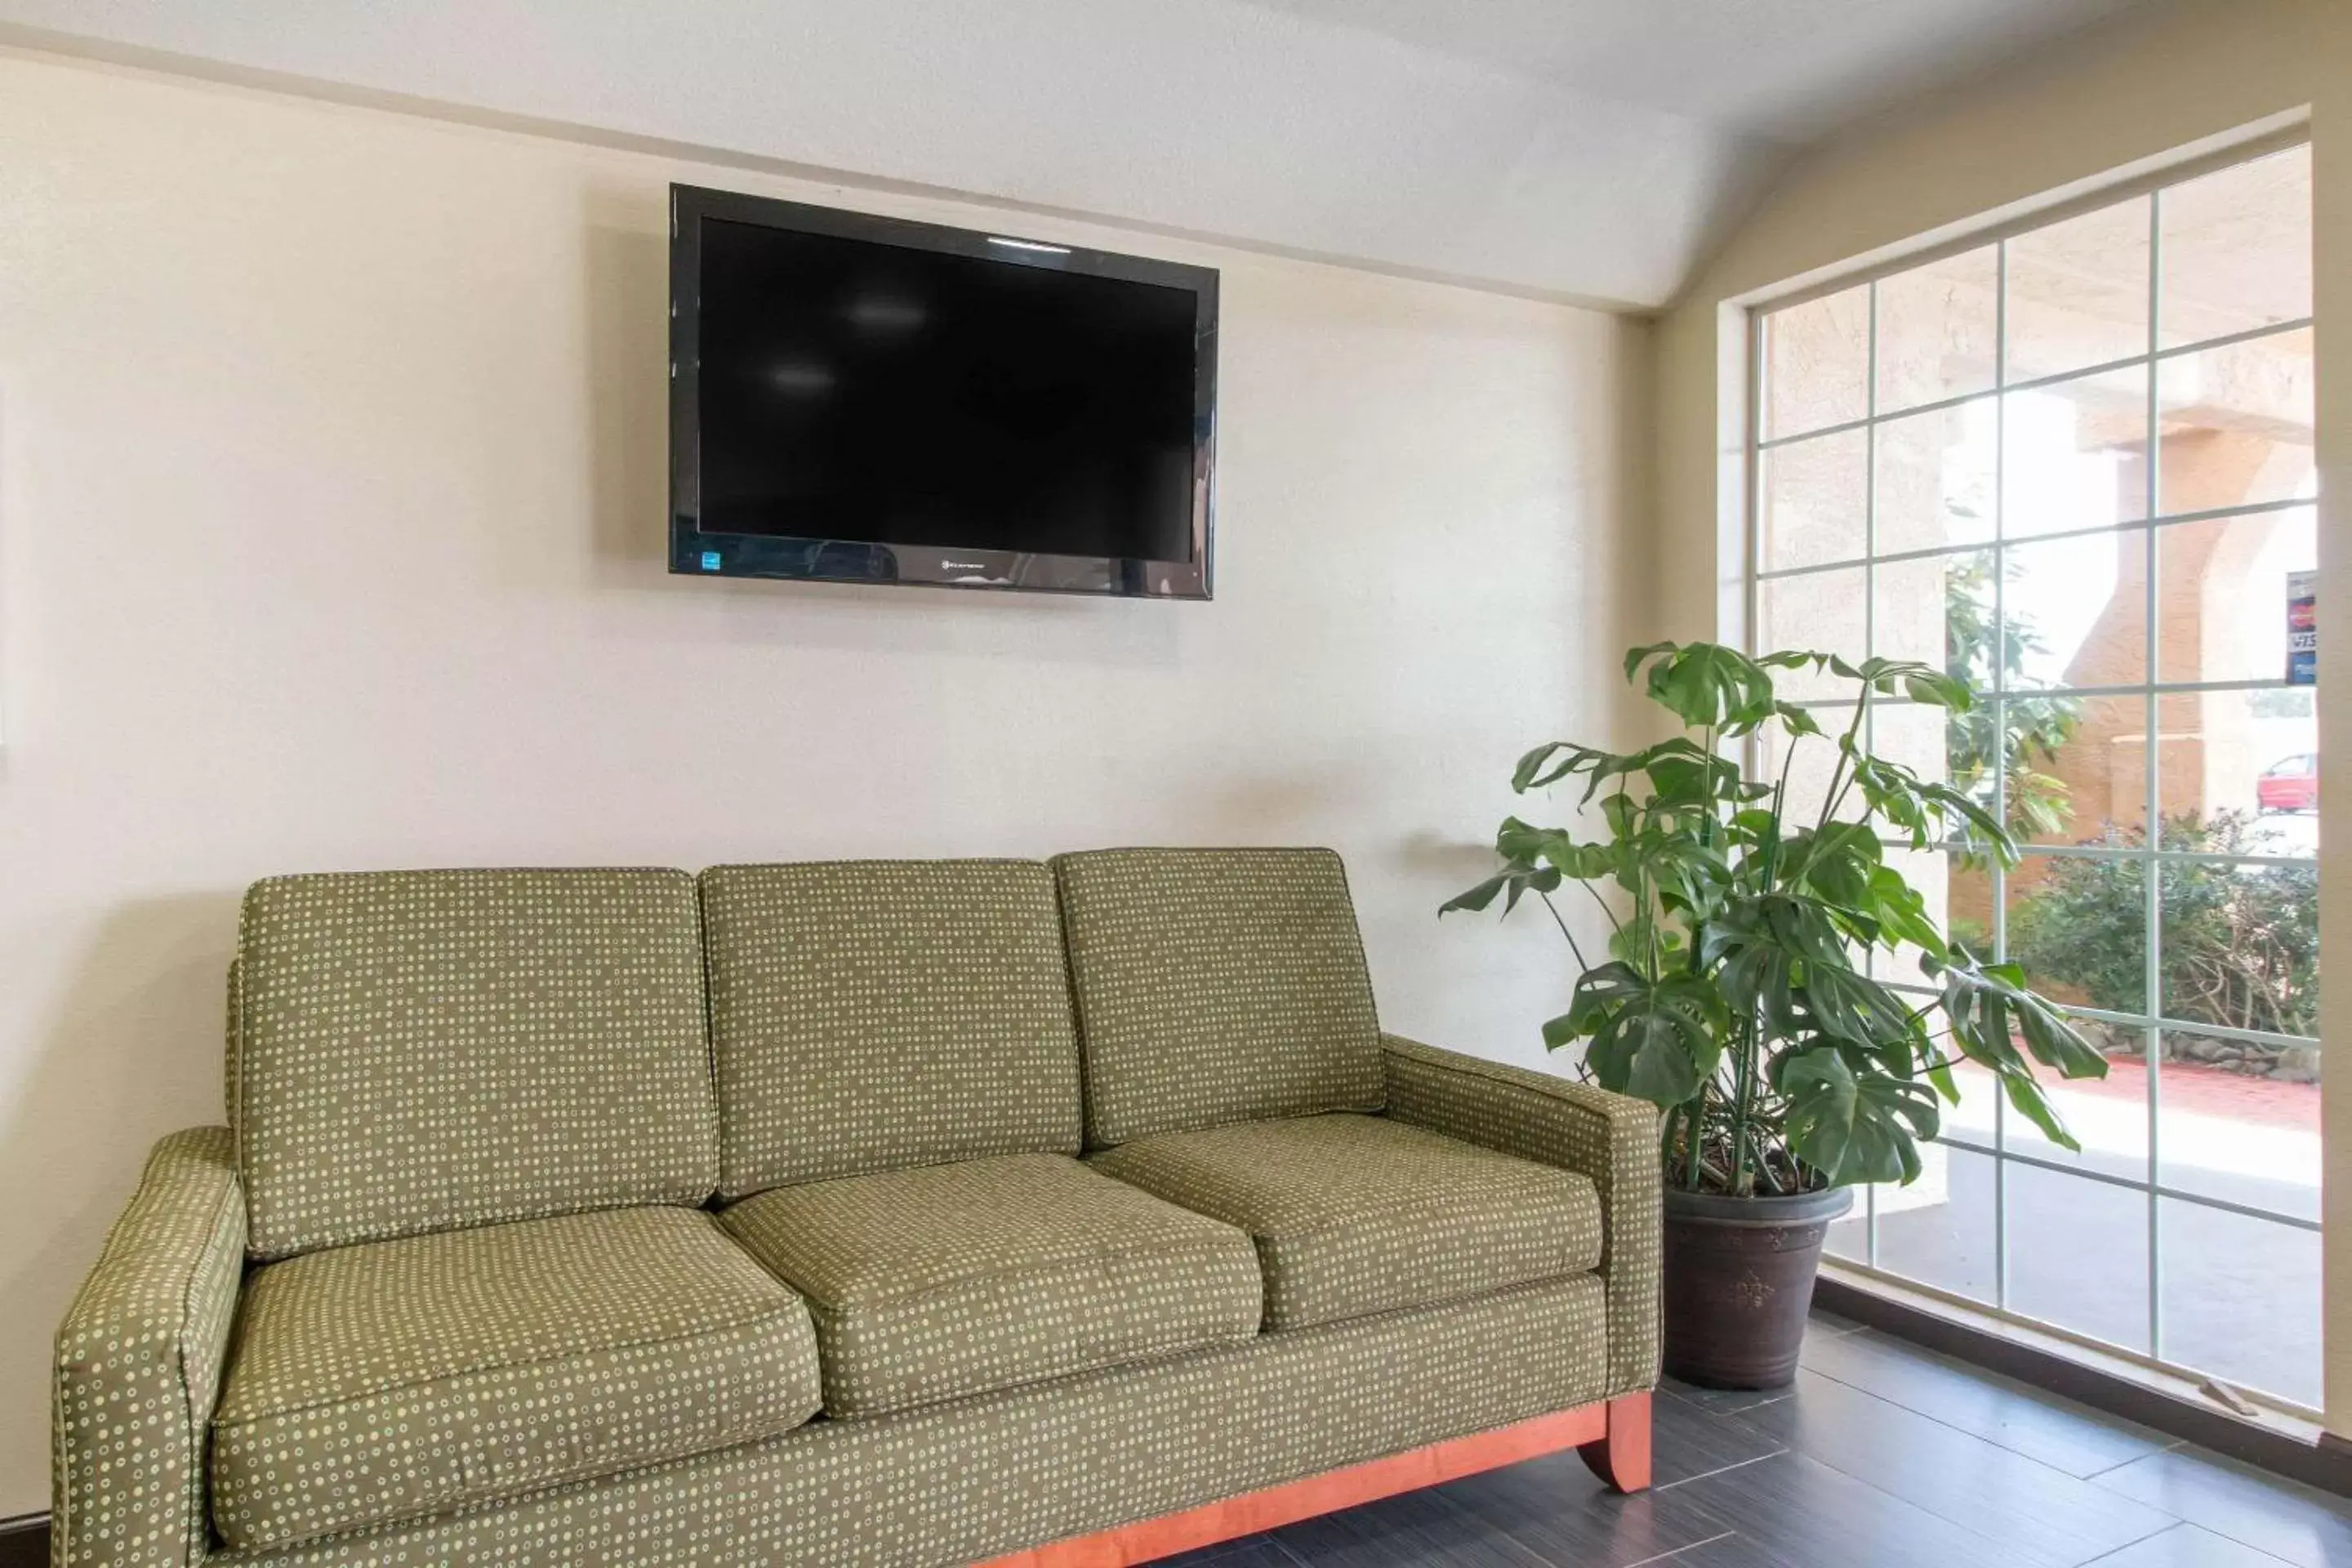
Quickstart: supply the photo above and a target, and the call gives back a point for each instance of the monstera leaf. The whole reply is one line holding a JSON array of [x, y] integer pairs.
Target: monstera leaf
[[1654, 1039], [1738, 991], [1853, 1124]]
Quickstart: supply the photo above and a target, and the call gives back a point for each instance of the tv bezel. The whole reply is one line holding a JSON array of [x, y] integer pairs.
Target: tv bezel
[[695, 552]]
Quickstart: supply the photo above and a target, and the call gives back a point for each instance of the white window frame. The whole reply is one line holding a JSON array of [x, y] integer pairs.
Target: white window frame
[[1754, 443]]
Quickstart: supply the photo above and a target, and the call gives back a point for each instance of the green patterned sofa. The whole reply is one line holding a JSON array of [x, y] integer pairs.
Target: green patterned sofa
[[855, 1214]]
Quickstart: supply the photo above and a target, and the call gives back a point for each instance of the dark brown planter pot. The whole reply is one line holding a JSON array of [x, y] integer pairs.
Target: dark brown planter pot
[[1739, 1282]]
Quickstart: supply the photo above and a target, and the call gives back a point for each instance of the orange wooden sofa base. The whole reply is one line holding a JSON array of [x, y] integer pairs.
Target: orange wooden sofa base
[[1613, 1438]]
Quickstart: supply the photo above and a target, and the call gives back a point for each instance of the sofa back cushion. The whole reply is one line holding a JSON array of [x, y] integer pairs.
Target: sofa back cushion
[[421, 1050], [869, 1015], [1216, 985]]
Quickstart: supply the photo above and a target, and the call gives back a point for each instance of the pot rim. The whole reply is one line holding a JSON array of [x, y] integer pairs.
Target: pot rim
[[1795, 1208]]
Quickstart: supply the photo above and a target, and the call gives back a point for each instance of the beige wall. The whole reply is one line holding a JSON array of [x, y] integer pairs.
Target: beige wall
[[332, 491], [2172, 80]]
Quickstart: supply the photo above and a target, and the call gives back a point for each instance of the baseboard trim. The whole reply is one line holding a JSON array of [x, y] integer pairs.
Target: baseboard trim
[[1615, 1438], [2316, 1459], [25, 1541]]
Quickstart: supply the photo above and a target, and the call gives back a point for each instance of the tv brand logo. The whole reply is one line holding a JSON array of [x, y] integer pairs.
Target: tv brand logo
[[962, 566], [711, 561]]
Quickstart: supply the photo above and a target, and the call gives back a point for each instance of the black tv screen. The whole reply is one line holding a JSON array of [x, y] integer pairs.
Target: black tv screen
[[867, 399]]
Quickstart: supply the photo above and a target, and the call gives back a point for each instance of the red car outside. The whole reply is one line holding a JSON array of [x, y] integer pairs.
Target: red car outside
[[2291, 783]]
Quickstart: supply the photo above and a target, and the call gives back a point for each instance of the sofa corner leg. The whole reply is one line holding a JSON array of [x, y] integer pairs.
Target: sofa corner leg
[[1622, 1458]]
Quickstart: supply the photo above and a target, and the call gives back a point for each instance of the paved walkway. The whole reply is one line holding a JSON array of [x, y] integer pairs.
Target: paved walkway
[[2241, 1297], [2211, 1092]]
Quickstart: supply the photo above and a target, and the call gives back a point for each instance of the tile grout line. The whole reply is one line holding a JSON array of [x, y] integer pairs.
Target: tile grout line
[[2172, 1447], [1446, 1502], [1512, 1537], [1780, 1452], [2093, 1479], [2165, 1447], [2126, 1546], [1965, 1432], [1677, 1552], [2185, 1524], [1725, 1412], [1963, 1526], [1902, 1502], [2206, 1527]]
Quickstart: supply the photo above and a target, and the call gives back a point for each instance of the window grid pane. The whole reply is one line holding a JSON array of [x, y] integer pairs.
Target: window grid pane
[[2070, 486], [2246, 512]]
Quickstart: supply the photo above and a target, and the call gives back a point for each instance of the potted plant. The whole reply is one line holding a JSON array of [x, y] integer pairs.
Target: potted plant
[[1735, 994]]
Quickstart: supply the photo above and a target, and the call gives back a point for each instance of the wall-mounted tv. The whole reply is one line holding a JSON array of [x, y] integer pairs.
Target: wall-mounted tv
[[865, 399]]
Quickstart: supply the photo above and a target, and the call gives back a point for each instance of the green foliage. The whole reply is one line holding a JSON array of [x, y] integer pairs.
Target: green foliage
[[1736, 991], [2240, 944], [2030, 728]]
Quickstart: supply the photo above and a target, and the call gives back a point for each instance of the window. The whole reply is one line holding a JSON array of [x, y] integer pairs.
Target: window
[[2074, 466]]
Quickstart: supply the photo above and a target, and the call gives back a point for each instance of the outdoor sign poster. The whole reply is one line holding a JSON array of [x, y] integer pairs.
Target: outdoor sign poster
[[2302, 629]]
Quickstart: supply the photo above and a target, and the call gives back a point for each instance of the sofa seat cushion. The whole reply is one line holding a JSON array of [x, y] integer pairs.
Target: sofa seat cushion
[[402, 1378], [1357, 1215], [939, 1281]]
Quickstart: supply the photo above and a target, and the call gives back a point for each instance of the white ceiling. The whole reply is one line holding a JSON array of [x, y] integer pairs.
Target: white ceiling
[[1587, 148], [1786, 70]]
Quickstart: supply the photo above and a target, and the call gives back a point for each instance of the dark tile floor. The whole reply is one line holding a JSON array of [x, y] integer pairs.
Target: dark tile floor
[[1882, 1453]]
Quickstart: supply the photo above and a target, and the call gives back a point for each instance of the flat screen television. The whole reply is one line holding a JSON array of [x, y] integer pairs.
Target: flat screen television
[[865, 399]]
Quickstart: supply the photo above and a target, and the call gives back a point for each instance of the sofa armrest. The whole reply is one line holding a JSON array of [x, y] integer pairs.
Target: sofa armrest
[[1608, 1137], [138, 1363]]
